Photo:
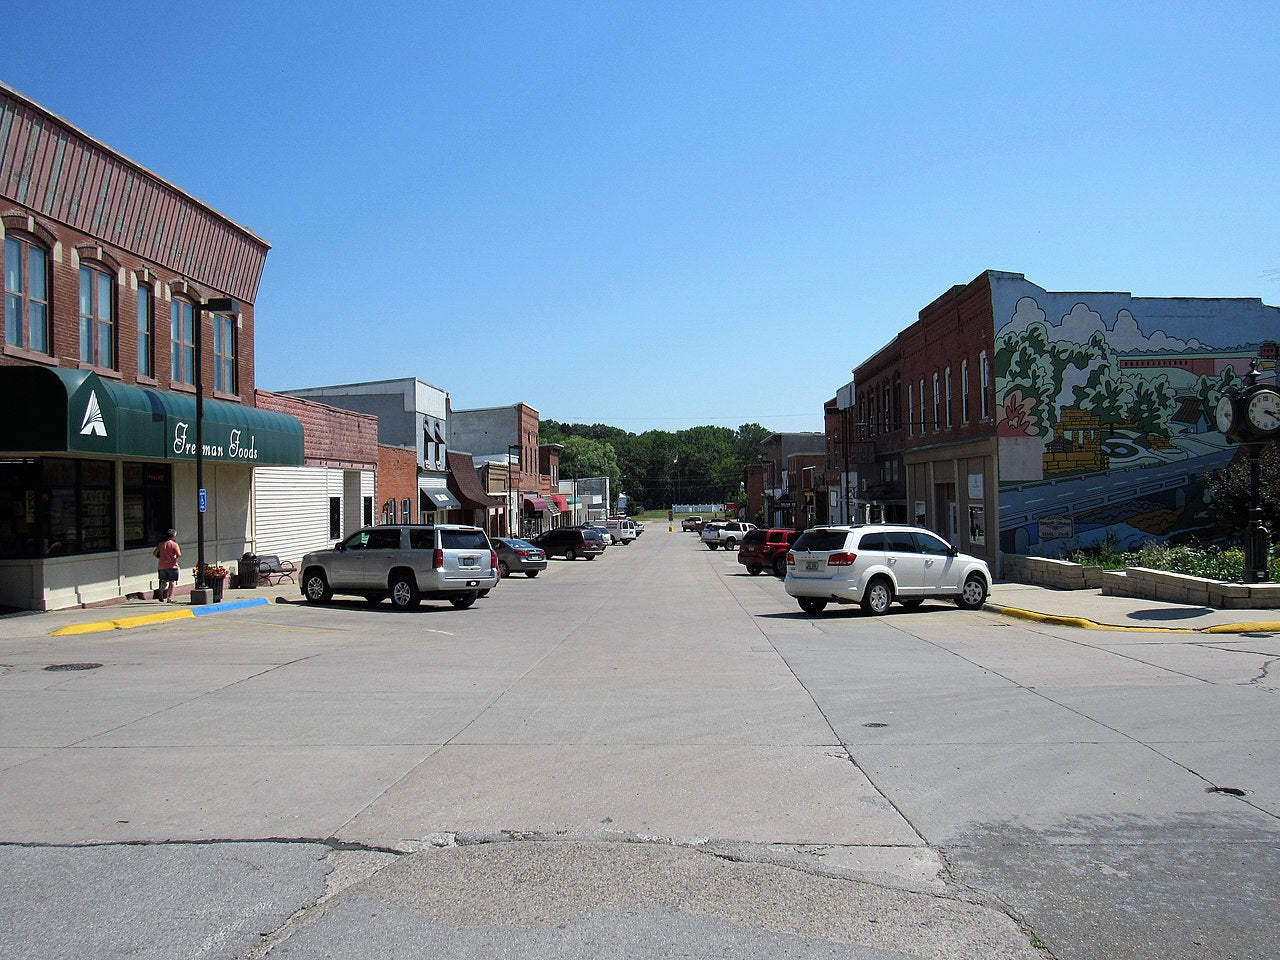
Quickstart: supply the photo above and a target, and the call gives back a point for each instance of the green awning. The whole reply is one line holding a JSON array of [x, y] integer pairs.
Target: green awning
[[52, 410]]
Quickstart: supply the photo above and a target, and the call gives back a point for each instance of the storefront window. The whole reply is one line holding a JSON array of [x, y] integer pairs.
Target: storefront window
[[54, 507], [148, 503]]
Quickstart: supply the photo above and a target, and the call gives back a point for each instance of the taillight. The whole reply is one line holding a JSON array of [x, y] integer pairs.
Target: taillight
[[493, 559], [791, 559], [437, 560], [841, 559]]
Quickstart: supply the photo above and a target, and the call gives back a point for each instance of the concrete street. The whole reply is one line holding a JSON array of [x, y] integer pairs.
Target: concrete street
[[648, 755]]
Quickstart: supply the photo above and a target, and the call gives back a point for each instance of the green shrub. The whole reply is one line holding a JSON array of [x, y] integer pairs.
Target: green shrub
[[1193, 560]]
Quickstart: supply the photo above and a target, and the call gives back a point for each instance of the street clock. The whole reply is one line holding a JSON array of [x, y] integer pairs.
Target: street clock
[[1262, 411], [1227, 413]]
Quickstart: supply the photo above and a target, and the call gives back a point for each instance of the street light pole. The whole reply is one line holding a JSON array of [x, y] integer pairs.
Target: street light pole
[[219, 306]]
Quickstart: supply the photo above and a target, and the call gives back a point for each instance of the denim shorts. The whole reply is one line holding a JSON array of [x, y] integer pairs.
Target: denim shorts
[[168, 575]]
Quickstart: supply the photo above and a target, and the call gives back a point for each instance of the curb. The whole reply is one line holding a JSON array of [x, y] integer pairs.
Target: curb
[[148, 619], [1083, 623]]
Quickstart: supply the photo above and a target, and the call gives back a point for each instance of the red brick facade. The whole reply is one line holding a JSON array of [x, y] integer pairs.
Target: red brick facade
[[331, 437], [397, 481]]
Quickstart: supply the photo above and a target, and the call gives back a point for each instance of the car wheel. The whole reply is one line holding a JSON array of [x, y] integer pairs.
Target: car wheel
[[315, 587], [404, 592], [592, 556], [531, 574], [973, 594], [482, 593], [504, 571], [780, 567], [464, 601], [373, 599], [812, 604], [730, 544], [754, 570], [571, 554], [712, 545], [912, 602], [878, 596]]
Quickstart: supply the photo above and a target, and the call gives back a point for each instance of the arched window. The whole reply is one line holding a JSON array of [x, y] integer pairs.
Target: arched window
[[964, 392], [224, 353], [26, 294], [146, 329], [948, 396], [182, 341], [937, 404], [985, 383], [97, 316]]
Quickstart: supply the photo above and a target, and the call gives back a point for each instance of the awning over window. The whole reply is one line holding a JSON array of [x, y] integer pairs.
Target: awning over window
[[561, 503], [50, 410], [436, 490], [534, 504]]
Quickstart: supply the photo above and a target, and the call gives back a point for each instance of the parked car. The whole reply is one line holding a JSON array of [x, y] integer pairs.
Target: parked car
[[725, 533], [599, 527], [570, 543], [406, 563], [876, 564], [519, 556], [767, 550], [691, 523]]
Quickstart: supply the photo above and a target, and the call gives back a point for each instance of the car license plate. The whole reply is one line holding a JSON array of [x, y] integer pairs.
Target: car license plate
[[467, 561], [811, 564]]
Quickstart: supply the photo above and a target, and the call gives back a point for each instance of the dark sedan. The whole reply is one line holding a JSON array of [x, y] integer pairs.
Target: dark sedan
[[519, 556]]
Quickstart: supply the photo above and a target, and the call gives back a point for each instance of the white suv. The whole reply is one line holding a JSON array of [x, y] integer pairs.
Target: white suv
[[404, 562], [876, 564]]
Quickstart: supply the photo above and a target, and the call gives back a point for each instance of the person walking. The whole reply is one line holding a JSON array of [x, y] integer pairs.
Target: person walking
[[167, 554]]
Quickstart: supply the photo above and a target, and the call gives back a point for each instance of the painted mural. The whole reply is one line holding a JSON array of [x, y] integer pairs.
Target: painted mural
[[1104, 410]]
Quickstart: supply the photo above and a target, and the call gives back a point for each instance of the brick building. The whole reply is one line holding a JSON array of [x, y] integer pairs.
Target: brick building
[[1031, 421], [108, 272]]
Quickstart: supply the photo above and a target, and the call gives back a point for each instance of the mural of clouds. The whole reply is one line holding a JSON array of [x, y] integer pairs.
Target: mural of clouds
[[1025, 313], [1126, 336], [1080, 324]]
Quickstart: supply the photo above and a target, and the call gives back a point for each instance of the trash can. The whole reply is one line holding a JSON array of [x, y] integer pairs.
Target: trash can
[[248, 572]]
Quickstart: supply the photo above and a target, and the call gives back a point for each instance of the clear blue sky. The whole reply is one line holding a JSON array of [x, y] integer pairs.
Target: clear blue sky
[[661, 215]]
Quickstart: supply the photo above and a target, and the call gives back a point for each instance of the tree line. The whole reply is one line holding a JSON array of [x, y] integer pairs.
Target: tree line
[[658, 467]]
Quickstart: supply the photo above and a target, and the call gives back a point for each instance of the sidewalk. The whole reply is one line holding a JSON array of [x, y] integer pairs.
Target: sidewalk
[[1091, 610]]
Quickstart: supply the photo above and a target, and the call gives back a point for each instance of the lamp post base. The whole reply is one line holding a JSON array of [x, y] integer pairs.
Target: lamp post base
[[201, 596]]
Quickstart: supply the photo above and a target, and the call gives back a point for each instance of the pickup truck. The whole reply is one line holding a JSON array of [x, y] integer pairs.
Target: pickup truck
[[690, 523], [725, 533], [767, 550]]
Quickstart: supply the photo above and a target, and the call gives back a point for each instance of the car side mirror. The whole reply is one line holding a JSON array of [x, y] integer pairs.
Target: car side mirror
[[953, 550]]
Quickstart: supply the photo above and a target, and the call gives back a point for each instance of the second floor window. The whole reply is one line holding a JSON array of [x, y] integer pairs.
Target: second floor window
[[985, 384], [146, 332], [964, 391], [937, 405], [948, 397], [224, 353], [182, 342], [26, 295], [97, 318]]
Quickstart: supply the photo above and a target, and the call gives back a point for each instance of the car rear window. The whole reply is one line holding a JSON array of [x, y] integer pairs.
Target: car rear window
[[821, 541], [422, 539], [463, 540], [753, 536]]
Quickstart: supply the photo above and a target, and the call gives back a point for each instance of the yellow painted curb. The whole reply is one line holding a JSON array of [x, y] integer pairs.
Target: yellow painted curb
[[122, 623], [1086, 624], [1266, 626]]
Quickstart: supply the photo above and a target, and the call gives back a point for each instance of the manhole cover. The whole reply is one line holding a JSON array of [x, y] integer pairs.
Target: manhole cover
[[73, 666], [875, 726]]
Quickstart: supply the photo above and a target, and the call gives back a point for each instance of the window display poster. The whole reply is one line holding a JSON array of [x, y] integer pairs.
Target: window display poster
[[978, 526]]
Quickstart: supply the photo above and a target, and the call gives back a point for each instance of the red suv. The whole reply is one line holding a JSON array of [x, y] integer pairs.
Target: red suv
[[767, 549]]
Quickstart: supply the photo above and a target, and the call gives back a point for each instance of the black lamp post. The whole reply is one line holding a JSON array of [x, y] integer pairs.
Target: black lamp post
[[221, 306], [513, 505]]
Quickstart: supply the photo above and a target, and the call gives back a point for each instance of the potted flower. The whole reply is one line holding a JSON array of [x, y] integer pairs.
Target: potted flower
[[215, 577]]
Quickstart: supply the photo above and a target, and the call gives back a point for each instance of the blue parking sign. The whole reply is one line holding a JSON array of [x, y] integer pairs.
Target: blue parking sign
[[204, 500]]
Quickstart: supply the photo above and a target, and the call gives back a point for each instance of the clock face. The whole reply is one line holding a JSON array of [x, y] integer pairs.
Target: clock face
[[1264, 411], [1226, 413]]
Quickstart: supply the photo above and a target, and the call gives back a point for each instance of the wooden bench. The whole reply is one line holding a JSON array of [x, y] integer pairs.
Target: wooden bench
[[270, 566]]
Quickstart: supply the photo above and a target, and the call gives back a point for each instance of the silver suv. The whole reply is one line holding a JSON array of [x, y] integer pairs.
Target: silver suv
[[405, 563], [876, 564]]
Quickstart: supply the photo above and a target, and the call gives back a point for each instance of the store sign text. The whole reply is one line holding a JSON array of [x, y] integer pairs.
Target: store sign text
[[234, 449]]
